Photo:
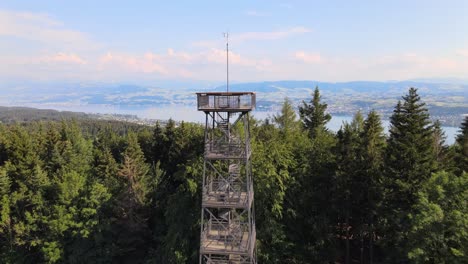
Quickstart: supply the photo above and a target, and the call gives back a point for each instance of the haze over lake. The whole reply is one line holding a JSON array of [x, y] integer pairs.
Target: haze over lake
[[190, 114]]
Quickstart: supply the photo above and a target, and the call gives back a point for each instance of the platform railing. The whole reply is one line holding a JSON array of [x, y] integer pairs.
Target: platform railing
[[225, 192], [225, 101], [227, 235], [223, 149]]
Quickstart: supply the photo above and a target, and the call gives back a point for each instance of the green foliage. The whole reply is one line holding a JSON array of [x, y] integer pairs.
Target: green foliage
[[440, 216], [90, 191], [313, 114], [461, 148], [286, 120], [371, 165], [309, 201], [439, 147], [272, 163], [349, 185], [410, 162]]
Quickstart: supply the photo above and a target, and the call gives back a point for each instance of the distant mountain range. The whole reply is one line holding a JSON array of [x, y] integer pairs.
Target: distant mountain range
[[447, 101], [346, 87]]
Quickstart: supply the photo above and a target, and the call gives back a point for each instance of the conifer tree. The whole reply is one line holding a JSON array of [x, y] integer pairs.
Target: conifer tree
[[439, 146], [346, 148], [371, 161], [159, 142], [105, 168], [349, 184], [286, 119], [49, 152], [272, 163], [309, 198], [461, 148], [313, 114], [134, 170], [28, 187], [131, 207], [6, 231], [3, 151], [409, 163]]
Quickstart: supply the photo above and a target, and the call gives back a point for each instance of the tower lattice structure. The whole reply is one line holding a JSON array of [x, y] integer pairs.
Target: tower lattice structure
[[227, 219]]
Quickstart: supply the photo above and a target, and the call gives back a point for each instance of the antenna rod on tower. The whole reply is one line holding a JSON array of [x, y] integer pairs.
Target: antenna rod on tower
[[226, 35]]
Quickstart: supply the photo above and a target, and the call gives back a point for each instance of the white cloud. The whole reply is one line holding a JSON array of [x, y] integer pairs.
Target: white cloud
[[412, 62], [241, 37], [181, 57], [219, 56], [308, 57], [272, 35], [44, 29], [64, 58], [146, 63], [209, 64], [68, 53]]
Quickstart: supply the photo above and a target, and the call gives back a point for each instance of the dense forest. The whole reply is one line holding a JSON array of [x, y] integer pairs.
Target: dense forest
[[88, 191]]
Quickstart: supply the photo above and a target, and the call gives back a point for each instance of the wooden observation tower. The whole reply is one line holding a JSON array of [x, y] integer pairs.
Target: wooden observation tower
[[227, 219]]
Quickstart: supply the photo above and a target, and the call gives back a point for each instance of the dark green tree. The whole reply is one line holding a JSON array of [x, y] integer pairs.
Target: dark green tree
[[313, 114], [461, 148], [28, 187], [371, 162], [177, 189], [6, 228], [131, 230], [310, 215], [410, 161], [159, 142], [439, 146], [272, 164], [349, 184]]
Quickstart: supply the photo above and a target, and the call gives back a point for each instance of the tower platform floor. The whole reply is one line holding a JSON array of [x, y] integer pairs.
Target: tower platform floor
[[216, 243], [218, 199]]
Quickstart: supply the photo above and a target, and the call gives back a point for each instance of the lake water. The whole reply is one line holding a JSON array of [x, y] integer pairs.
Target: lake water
[[190, 114]]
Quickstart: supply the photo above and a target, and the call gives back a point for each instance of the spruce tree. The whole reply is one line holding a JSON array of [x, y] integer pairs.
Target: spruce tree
[[131, 208], [350, 188], [313, 114], [134, 171], [27, 195], [286, 119], [105, 169], [461, 148], [463, 136], [371, 159], [409, 154], [3, 151], [346, 167], [409, 163], [6, 232], [439, 146], [310, 197]]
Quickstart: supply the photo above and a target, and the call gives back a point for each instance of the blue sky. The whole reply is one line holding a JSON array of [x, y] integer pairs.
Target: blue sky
[[132, 41]]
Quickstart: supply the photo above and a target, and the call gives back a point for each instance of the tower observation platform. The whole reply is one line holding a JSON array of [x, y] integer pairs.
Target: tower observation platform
[[227, 219]]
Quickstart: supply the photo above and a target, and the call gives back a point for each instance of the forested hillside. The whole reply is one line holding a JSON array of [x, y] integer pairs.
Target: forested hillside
[[89, 191]]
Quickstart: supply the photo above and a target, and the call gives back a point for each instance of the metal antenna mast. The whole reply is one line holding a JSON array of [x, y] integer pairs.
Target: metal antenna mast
[[226, 35]]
